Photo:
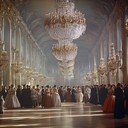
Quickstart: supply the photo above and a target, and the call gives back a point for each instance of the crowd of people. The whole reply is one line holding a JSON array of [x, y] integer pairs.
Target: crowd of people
[[113, 99]]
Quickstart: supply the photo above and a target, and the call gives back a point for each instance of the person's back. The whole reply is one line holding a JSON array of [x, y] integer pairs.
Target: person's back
[[119, 102]]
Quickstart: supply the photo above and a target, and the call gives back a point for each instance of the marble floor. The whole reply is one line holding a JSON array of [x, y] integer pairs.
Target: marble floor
[[70, 115]]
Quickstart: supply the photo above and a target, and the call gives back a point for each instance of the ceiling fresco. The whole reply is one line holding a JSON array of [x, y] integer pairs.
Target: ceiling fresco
[[96, 13]]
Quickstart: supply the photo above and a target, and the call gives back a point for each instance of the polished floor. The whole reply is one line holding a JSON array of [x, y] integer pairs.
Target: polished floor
[[70, 115]]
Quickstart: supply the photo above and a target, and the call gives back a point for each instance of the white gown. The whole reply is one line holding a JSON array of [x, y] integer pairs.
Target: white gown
[[56, 98], [79, 95], [11, 100]]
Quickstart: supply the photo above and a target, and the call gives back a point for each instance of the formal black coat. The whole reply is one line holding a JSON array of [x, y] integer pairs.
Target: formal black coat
[[119, 103]]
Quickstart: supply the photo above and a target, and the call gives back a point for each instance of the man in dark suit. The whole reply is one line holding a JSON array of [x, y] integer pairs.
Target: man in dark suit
[[119, 102]]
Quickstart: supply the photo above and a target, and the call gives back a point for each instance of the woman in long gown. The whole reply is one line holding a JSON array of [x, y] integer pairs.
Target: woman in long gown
[[34, 97], [68, 94], [73, 94], [109, 103], [48, 101], [87, 94], [79, 95], [39, 94], [56, 98], [11, 100]]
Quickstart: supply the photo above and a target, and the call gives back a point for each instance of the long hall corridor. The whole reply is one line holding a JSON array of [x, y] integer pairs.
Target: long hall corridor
[[69, 115]]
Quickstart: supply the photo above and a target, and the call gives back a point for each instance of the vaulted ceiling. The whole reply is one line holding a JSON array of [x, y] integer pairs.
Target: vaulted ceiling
[[96, 13]]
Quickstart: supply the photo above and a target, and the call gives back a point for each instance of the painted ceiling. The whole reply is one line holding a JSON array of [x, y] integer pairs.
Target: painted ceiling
[[96, 13]]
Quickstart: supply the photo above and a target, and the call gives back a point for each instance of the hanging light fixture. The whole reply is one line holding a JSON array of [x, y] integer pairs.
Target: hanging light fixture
[[66, 67], [102, 67], [95, 73], [66, 64], [112, 61], [67, 72], [17, 65], [4, 58], [64, 51], [65, 24]]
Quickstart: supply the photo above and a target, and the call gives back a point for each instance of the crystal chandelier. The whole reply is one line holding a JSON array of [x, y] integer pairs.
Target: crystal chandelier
[[94, 73], [64, 51], [65, 24], [112, 61], [3, 58], [67, 72], [66, 64], [17, 65], [66, 67], [102, 67]]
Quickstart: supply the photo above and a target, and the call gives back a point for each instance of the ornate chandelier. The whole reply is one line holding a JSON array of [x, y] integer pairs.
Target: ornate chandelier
[[17, 65], [64, 51], [112, 61], [67, 72], [65, 24], [66, 64], [3, 54], [94, 73], [4, 58], [102, 67], [66, 67]]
